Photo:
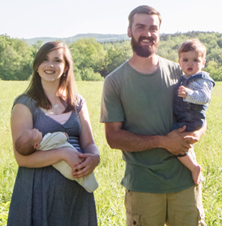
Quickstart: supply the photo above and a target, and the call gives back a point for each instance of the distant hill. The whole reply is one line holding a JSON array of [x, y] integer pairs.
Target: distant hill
[[107, 37], [69, 40]]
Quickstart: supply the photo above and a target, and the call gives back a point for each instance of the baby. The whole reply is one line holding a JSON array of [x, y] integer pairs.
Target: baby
[[192, 96], [31, 140]]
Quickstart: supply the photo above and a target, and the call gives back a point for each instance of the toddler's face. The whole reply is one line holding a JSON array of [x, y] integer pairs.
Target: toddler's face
[[191, 62]]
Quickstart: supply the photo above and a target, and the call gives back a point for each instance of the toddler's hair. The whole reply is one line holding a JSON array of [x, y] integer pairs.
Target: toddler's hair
[[193, 45], [24, 145]]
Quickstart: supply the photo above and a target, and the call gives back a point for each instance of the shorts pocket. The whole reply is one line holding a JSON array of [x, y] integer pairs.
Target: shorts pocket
[[133, 219]]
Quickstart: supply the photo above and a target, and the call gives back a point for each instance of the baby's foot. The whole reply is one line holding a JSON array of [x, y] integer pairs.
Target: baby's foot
[[196, 174]]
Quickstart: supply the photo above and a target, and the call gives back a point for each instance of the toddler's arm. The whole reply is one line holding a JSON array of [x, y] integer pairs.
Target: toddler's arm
[[198, 92]]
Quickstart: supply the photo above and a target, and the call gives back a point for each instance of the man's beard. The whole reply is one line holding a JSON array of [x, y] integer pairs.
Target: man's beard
[[144, 51]]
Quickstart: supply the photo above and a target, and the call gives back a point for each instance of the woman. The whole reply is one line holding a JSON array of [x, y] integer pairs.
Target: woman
[[42, 196]]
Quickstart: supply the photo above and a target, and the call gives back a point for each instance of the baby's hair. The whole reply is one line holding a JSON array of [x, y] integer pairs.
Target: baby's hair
[[24, 145], [193, 45]]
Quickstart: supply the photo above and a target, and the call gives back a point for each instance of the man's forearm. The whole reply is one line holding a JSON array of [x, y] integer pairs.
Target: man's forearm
[[128, 141], [124, 140]]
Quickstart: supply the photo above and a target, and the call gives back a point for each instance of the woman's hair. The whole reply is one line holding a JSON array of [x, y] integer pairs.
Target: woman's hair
[[67, 89], [143, 9], [193, 45]]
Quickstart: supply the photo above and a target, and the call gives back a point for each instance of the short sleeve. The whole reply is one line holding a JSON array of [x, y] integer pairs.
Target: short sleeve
[[28, 102], [111, 105], [25, 100]]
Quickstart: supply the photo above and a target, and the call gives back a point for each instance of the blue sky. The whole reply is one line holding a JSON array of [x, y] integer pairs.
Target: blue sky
[[63, 18]]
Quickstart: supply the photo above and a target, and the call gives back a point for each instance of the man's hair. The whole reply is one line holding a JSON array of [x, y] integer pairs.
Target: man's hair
[[143, 9], [193, 45], [23, 145]]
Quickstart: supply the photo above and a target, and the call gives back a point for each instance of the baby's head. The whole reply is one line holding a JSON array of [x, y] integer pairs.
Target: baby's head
[[192, 56], [28, 141], [193, 45]]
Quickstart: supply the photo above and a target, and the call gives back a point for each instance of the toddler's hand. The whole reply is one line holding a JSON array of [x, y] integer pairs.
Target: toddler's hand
[[182, 91]]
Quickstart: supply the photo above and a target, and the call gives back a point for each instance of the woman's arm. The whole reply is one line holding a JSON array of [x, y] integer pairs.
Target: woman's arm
[[88, 146], [21, 119]]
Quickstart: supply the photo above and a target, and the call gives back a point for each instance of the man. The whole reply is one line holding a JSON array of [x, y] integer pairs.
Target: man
[[137, 103]]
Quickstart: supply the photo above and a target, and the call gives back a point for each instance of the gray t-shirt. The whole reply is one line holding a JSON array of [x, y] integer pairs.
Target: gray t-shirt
[[144, 103]]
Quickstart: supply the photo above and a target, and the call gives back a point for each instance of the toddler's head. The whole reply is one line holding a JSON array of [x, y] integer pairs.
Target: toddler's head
[[28, 141], [192, 56]]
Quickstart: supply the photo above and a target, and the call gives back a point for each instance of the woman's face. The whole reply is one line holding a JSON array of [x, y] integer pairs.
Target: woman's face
[[53, 67]]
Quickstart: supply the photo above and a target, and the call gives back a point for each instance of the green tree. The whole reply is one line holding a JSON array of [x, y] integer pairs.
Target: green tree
[[92, 58], [87, 53], [215, 70], [15, 59], [88, 74], [117, 53]]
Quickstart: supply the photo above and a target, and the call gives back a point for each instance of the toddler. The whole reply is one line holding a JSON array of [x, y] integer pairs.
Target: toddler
[[192, 96], [31, 140]]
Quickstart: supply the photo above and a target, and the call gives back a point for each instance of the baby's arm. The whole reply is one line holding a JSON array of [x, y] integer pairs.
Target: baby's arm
[[198, 92]]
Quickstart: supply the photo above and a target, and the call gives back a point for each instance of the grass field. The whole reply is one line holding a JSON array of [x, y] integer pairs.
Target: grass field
[[110, 195]]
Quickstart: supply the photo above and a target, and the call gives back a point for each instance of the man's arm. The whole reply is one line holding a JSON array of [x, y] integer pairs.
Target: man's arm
[[176, 142]]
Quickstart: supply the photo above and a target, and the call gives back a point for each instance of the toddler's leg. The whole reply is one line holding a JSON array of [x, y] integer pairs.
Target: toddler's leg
[[195, 169]]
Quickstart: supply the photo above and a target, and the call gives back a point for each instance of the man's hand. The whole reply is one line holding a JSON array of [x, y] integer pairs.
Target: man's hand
[[197, 133], [177, 142]]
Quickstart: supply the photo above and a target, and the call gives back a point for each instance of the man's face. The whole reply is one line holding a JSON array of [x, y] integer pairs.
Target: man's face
[[144, 34]]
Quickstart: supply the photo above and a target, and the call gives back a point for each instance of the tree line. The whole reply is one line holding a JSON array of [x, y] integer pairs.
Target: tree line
[[94, 60]]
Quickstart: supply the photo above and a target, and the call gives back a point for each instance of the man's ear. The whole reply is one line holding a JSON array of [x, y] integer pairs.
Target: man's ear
[[129, 32]]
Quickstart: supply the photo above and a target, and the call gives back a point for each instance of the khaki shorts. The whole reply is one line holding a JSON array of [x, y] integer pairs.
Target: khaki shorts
[[182, 208]]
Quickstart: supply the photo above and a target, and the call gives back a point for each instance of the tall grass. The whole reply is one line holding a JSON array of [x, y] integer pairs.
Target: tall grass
[[209, 155], [110, 194]]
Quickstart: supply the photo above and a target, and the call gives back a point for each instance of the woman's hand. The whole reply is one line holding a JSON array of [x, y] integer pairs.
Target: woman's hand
[[90, 161], [72, 157]]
